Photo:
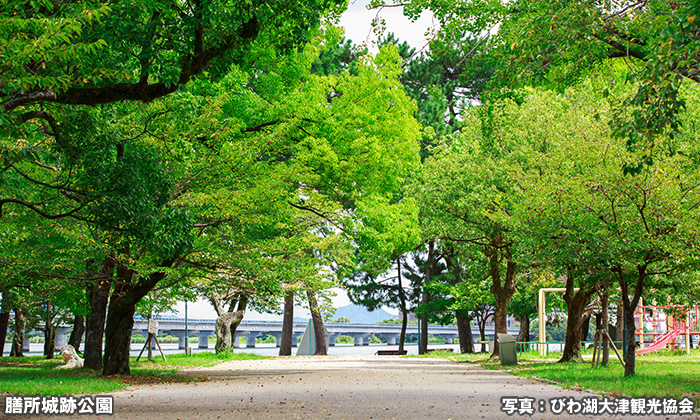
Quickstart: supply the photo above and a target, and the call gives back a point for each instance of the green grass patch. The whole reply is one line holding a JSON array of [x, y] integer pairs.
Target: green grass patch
[[35, 375], [659, 374]]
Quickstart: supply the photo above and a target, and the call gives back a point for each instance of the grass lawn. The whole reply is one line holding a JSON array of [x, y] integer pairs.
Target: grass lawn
[[658, 374], [35, 375]]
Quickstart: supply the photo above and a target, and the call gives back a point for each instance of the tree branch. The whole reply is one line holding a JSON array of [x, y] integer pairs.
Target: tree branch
[[40, 212], [259, 127]]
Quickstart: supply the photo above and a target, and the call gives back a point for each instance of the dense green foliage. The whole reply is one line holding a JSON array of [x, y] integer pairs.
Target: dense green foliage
[[157, 151]]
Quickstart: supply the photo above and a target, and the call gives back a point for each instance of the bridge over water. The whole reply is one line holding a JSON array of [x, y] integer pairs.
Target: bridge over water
[[203, 328]]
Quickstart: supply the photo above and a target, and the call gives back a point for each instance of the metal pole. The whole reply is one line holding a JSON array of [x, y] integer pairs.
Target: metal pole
[[419, 336], [187, 336], [542, 336]]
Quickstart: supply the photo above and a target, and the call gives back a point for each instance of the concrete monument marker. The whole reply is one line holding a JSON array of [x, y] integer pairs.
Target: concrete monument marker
[[307, 347]]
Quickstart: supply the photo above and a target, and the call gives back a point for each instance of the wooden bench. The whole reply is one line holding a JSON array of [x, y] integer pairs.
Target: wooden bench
[[390, 353], [447, 350]]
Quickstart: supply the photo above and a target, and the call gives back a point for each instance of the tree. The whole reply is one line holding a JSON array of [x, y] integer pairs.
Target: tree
[[42, 274], [556, 43], [598, 222], [386, 233], [215, 168], [227, 321], [287, 325], [59, 50], [464, 193], [425, 271], [657, 38], [446, 304]]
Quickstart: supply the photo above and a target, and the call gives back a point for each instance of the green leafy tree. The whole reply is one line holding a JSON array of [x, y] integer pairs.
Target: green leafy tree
[[596, 220], [464, 194]]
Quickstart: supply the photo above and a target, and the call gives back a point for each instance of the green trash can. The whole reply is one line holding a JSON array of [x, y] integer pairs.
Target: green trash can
[[507, 350]]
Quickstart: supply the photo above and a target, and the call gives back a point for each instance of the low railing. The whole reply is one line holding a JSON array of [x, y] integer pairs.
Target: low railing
[[528, 346]]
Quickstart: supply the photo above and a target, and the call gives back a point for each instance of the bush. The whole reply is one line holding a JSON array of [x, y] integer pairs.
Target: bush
[[265, 339], [344, 339]]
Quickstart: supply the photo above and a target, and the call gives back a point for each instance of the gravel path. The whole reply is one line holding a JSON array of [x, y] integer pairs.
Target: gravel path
[[336, 387]]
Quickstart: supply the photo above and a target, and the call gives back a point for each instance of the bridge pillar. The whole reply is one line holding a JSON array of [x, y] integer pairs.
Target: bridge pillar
[[294, 339], [250, 339], [204, 340], [237, 342], [392, 340], [25, 346], [331, 339], [62, 336], [278, 338], [362, 340], [61, 340], [449, 340], [181, 342]]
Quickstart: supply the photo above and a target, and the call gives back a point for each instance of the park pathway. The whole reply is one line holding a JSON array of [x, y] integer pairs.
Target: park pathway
[[336, 387]]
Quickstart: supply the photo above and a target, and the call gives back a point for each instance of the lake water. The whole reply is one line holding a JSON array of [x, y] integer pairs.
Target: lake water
[[261, 349]]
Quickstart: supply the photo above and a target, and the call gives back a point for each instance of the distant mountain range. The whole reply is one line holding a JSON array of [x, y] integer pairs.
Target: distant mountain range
[[357, 315]]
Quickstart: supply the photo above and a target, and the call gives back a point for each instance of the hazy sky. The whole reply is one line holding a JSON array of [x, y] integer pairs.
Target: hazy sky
[[357, 21]]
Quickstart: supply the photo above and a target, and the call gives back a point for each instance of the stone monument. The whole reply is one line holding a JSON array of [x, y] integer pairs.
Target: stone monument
[[70, 357]]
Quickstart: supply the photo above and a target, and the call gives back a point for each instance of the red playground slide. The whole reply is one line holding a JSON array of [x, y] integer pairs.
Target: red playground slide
[[662, 341]]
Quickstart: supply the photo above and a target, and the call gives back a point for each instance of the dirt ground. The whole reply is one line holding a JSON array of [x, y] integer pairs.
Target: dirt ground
[[335, 387]]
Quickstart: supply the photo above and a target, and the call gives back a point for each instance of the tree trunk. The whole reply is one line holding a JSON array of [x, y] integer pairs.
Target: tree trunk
[[605, 321], [18, 339], [620, 324], [242, 307], [4, 324], [423, 348], [500, 321], [76, 336], [404, 310], [425, 298], [49, 339], [585, 327], [481, 323], [630, 306], [630, 358], [150, 339], [223, 329], [96, 321], [319, 330], [120, 321], [287, 325], [502, 291], [524, 333], [576, 306], [464, 329], [120, 318]]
